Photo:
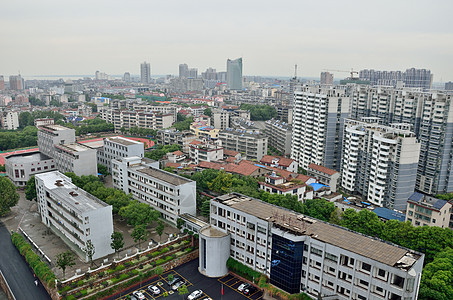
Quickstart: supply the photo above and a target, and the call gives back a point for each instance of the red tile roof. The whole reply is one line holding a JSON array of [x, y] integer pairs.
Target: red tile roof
[[242, 168], [303, 178], [286, 162], [230, 159], [267, 159], [178, 153], [196, 142], [173, 165], [230, 152], [282, 161], [322, 169]]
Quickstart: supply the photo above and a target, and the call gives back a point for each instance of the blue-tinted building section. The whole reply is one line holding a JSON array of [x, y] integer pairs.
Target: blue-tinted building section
[[286, 264]]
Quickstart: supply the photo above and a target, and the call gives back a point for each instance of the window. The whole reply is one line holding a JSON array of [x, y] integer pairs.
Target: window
[[398, 281], [331, 257], [316, 251], [366, 267]]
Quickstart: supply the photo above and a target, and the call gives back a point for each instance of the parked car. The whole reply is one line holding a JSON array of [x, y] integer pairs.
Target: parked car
[[174, 280], [138, 295], [177, 285], [243, 286], [195, 295], [154, 290], [250, 290]]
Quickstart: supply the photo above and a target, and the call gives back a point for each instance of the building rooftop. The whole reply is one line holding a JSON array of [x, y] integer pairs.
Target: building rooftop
[[211, 231], [70, 194], [322, 169], [27, 157], [243, 132], [164, 176], [122, 141], [427, 201], [298, 224], [54, 127], [74, 147]]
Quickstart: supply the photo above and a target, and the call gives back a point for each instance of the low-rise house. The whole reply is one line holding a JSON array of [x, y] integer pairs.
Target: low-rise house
[[324, 175], [279, 162], [424, 210]]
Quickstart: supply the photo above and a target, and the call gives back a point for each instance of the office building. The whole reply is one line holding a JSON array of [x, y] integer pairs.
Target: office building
[[183, 71], [234, 74], [412, 78], [324, 175], [166, 192], [127, 77], [9, 120], [2, 83], [16, 83], [448, 86], [326, 78], [301, 254], [21, 167], [379, 162], [58, 142], [318, 121], [145, 73], [75, 214], [118, 147], [430, 115], [279, 135], [424, 210], [252, 145]]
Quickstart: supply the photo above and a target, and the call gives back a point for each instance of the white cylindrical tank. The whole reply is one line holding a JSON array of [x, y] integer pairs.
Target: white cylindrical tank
[[214, 252]]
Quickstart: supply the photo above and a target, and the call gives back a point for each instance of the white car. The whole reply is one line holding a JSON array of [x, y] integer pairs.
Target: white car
[[154, 290], [139, 295], [195, 295], [243, 286]]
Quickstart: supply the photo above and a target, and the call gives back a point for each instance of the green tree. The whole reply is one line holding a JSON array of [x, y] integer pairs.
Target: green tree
[[260, 112], [170, 277], [207, 112], [205, 208], [138, 213], [64, 260], [160, 229], [89, 251], [139, 234], [8, 196], [30, 189], [102, 169], [180, 223], [182, 290], [117, 241], [437, 277], [25, 119], [222, 183]]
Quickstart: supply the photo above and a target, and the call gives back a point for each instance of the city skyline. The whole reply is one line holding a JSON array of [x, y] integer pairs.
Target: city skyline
[[82, 37]]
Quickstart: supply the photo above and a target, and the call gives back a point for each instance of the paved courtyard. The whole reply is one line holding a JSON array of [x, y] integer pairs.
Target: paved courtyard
[[26, 215]]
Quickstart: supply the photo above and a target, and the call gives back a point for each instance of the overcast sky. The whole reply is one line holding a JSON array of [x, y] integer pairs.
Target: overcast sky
[[59, 37]]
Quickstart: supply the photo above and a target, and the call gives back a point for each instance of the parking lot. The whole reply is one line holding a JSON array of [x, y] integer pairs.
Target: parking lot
[[211, 287]]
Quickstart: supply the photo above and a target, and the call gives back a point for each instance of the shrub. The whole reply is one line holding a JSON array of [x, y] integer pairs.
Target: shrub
[[80, 282], [242, 270]]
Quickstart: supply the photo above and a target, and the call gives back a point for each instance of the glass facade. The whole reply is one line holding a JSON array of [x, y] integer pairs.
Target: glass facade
[[286, 264]]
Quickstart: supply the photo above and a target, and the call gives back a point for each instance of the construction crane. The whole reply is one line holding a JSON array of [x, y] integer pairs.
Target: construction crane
[[352, 72]]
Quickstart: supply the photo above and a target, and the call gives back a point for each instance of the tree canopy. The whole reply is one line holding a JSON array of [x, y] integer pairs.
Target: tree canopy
[[8, 196], [30, 189], [183, 122], [160, 151], [260, 112], [437, 277], [137, 213], [13, 139]]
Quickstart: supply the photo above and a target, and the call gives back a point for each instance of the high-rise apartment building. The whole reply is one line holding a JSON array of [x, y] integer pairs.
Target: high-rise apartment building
[[326, 78], [9, 120], [379, 162], [16, 83], [414, 78], [210, 74], [2, 83], [145, 72], [127, 77], [279, 135], [234, 74], [431, 116], [318, 121], [251, 144], [220, 118]]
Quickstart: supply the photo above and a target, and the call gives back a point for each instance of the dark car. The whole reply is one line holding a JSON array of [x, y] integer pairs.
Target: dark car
[[250, 290]]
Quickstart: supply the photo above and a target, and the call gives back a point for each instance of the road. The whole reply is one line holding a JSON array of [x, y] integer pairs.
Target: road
[[16, 270]]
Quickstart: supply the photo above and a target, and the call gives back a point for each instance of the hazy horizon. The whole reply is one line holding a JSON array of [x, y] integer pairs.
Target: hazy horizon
[[55, 37]]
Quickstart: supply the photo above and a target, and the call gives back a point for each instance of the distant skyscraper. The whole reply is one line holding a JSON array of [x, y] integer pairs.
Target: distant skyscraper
[[16, 83], [326, 78], [127, 77], [145, 72], [448, 86], [234, 74], [183, 71], [210, 74], [2, 83], [193, 73]]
